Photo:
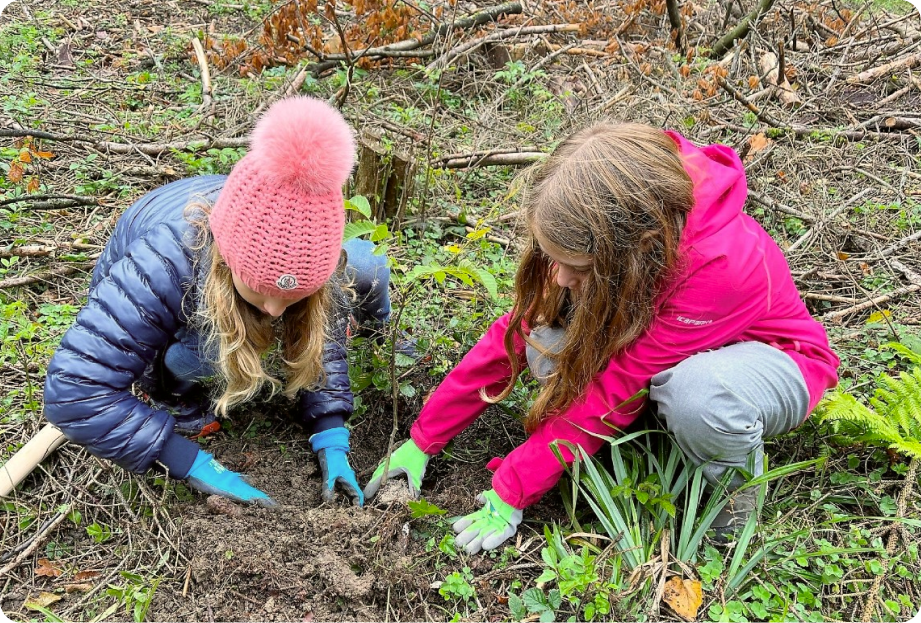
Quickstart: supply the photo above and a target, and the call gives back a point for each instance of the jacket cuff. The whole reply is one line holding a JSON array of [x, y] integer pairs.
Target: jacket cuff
[[178, 454], [327, 422], [507, 495]]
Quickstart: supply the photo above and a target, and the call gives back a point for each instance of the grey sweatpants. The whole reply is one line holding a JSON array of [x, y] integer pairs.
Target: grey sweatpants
[[721, 404]]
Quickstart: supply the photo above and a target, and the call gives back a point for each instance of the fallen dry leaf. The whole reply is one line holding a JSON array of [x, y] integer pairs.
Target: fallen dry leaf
[[758, 142], [45, 568], [684, 597], [82, 588], [42, 601], [85, 575]]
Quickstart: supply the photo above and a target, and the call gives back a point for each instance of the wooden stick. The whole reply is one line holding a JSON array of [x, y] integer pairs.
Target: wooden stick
[[37, 540], [150, 149], [207, 99], [774, 205], [895, 246], [725, 44], [477, 19], [59, 271], [445, 59], [831, 217], [877, 72], [838, 315], [510, 159]]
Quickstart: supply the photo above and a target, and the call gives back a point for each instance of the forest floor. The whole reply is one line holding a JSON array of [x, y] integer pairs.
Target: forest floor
[[117, 102]]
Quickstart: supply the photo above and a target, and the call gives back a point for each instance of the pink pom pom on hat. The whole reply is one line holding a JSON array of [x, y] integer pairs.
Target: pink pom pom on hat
[[279, 219]]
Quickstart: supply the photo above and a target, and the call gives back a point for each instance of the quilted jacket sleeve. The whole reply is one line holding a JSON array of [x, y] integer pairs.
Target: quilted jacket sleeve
[[331, 405], [129, 316]]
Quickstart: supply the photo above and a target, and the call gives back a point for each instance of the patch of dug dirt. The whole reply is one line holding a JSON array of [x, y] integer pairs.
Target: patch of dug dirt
[[300, 561]]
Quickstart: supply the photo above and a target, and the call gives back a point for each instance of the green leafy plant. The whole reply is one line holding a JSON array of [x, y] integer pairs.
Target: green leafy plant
[[535, 601], [457, 585], [136, 594]]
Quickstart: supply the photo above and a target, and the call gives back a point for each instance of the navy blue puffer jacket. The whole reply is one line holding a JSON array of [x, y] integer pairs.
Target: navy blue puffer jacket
[[140, 297]]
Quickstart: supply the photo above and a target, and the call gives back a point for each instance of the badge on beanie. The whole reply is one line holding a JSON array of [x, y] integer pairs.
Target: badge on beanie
[[287, 282]]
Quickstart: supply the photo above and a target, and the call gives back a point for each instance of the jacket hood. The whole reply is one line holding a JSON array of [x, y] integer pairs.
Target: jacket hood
[[720, 188]]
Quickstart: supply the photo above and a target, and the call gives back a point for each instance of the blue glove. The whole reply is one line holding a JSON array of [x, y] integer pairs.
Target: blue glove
[[331, 446], [209, 476]]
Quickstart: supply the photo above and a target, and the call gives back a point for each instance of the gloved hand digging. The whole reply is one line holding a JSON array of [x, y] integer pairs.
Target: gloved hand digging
[[209, 476], [331, 447], [488, 527], [407, 460]]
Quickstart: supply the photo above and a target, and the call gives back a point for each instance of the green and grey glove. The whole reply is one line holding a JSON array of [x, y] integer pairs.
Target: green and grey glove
[[488, 527], [408, 460]]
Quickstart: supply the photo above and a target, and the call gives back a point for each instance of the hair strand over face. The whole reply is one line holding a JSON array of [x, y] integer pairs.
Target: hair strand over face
[[616, 192]]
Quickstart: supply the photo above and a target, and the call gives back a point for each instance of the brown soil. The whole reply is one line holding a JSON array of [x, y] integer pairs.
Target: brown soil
[[306, 561]]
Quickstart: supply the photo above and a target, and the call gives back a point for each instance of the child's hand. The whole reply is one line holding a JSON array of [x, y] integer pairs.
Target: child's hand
[[488, 527], [407, 460], [209, 476], [331, 447]]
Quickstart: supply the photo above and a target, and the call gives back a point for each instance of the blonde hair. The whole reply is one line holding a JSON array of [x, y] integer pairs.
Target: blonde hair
[[241, 337], [616, 192]]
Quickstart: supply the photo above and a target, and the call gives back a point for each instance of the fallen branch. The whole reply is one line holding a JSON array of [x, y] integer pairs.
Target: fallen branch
[[579, 51], [36, 540], [397, 49], [801, 130], [838, 315], [58, 271], [445, 59], [824, 222], [895, 246], [872, 74], [23, 198], [40, 250], [774, 205], [725, 44], [149, 149], [482, 160], [207, 95]]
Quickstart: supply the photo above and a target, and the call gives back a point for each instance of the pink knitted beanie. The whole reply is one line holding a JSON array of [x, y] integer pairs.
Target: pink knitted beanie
[[279, 219]]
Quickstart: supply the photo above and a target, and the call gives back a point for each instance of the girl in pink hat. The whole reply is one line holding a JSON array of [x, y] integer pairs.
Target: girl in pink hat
[[204, 283], [640, 272]]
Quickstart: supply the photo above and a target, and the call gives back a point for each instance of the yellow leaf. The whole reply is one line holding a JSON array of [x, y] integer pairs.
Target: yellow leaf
[[684, 597], [42, 601], [843, 256], [878, 316]]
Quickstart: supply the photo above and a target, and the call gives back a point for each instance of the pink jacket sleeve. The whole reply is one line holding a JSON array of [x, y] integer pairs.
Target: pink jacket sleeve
[[685, 325], [457, 403]]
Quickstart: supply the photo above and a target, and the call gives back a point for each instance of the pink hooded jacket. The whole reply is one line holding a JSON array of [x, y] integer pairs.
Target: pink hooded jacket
[[735, 287]]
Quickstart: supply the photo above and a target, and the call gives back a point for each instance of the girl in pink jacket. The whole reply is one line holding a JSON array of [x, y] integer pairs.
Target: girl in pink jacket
[[641, 272]]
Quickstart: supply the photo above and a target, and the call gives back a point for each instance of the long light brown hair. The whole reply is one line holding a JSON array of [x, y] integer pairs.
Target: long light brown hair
[[620, 194], [241, 337]]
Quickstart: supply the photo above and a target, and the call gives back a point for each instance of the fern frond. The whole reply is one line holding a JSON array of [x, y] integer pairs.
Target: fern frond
[[899, 399], [905, 352], [859, 422], [908, 447]]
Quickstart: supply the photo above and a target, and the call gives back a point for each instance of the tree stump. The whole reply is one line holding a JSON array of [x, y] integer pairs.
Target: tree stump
[[384, 176]]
